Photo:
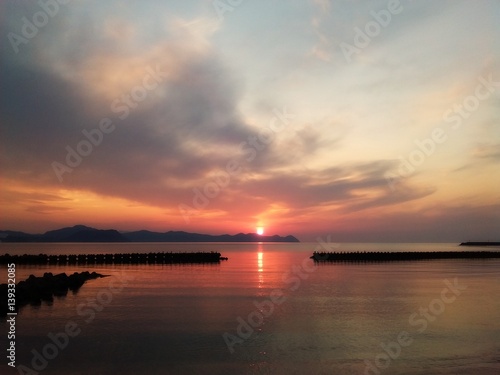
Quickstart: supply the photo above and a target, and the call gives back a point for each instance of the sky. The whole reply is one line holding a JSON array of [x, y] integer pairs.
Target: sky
[[369, 121]]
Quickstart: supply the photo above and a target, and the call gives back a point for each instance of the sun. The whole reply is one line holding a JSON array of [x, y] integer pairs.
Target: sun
[[260, 231]]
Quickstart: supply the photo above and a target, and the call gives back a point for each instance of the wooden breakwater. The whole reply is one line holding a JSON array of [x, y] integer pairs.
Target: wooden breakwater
[[121, 258], [401, 256]]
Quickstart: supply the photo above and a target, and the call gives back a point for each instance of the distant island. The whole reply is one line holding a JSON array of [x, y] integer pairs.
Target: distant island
[[82, 233]]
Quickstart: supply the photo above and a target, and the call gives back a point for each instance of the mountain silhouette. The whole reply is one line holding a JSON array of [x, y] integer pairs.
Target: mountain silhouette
[[82, 233]]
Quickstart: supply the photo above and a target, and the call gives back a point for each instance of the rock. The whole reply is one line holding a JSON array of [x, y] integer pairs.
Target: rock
[[34, 290]]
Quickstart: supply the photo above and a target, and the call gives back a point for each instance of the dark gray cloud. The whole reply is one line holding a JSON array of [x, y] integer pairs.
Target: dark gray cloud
[[155, 156], [350, 187]]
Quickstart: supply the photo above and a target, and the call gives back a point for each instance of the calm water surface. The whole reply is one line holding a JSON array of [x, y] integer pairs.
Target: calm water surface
[[221, 319]]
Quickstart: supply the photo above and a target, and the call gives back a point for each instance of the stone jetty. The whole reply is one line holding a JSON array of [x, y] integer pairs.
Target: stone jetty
[[483, 243], [125, 258], [401, 256], [34, 290]]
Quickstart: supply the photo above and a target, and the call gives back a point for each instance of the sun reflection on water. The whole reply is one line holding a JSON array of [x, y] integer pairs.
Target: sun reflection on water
[[260, 264]]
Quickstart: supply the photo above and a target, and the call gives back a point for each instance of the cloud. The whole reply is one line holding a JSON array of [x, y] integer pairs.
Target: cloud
[[186, 129], [46, 209], [488, 151], [481, 155], [347, 188], [19, 200], [11, 195]]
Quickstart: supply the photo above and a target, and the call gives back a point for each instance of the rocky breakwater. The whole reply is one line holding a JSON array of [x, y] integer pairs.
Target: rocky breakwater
[[34, 290], [401, 256], [120, 258]]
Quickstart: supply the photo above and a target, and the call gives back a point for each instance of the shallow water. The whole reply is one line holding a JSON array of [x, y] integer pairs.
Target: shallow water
[[297, 317]]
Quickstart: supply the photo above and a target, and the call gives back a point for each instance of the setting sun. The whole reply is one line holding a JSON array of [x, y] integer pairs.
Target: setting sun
[[260, 231]]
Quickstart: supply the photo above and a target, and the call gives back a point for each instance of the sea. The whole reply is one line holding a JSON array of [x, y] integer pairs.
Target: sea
[[268, 309]]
